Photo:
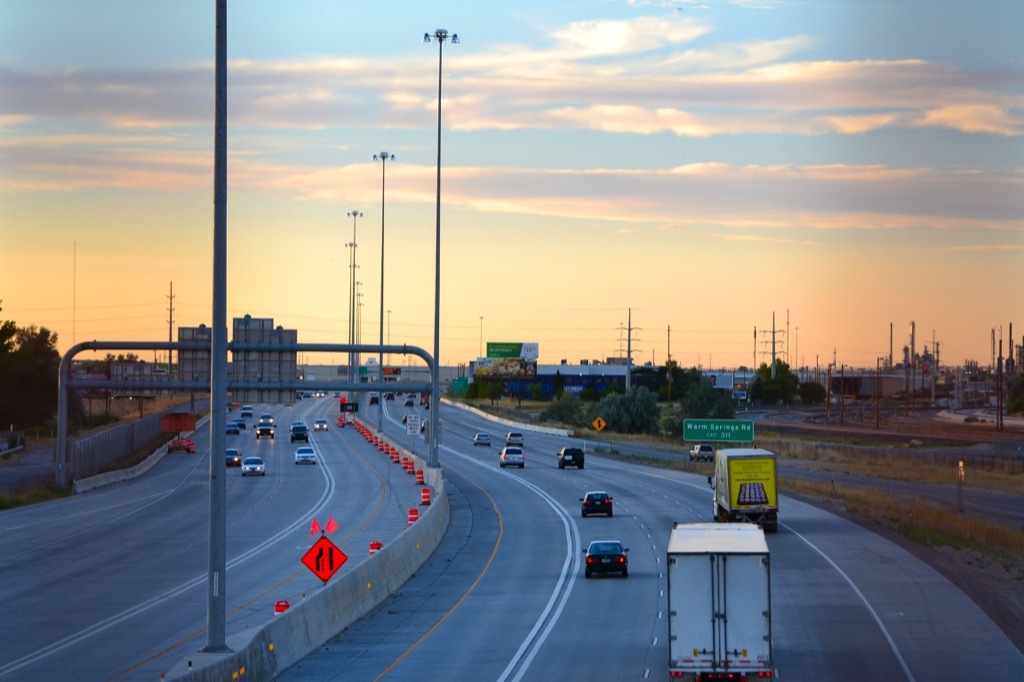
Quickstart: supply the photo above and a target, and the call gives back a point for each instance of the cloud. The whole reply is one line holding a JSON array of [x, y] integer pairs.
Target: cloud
[[150, 128], [967, 248], [642, 76], [760, 238], [632, 119], [11, 120], [859, 124], [973, 118], [605, 38]]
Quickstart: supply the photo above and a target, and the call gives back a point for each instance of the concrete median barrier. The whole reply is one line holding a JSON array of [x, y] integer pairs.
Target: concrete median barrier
[[265, 652]]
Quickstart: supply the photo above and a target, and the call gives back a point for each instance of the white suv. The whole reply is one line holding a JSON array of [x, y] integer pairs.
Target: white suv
[[514, 438]]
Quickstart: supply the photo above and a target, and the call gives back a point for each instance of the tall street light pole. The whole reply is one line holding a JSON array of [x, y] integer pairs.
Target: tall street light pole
[[216, 583], [354, 215], [383, 157], [440, 35]]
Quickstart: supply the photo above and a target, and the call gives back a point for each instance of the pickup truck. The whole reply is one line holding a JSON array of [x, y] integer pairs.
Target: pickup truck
[[702, 453]]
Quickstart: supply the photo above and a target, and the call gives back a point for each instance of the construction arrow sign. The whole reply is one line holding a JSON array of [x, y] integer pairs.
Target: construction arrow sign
[[324, 558]]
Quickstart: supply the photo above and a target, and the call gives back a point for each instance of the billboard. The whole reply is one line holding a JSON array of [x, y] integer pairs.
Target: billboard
[[506, 368], [526, 351], [723, 380]]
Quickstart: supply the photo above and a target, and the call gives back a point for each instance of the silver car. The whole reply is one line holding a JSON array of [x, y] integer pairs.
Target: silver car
[[253, 466], [305, 455], [512, 457]]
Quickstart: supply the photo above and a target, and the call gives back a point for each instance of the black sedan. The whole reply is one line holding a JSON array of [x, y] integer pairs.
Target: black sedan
[[234, 458], [596, 502], [606, 556]]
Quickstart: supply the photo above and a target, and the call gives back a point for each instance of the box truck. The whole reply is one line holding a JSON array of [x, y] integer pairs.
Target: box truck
[[719, 603], [745, 487]]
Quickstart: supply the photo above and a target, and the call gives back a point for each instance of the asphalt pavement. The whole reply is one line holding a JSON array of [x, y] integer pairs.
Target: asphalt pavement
[[28, 466]]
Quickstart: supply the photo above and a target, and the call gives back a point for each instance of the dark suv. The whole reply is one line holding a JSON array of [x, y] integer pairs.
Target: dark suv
[[570, 457], [299, 432], [596, 502], [264, 428]]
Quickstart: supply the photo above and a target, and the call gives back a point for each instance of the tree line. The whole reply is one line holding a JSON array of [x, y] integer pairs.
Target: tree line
[[28, 375], [661, 398], [29, 368]]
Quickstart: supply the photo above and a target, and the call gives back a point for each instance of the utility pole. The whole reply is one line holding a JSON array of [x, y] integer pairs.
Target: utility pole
[[796, 352], [906, 388], [668, 365], [170, 327], [773, 345], [842, 394], [878, 390], [774, 332], [789, 360], [629, 350], [828, 393], [999, 389]]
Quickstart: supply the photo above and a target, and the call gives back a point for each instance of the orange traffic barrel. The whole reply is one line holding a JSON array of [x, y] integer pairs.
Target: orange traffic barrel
[[419, 477], [425, 496], [375, 546], [414, 515], [281, 607]]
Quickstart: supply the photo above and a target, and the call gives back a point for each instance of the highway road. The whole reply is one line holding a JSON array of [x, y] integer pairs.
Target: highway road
[[504, 598], [111, 584]]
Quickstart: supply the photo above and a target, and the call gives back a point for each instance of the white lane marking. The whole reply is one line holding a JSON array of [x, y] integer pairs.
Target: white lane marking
[[860, 595], [144, 606], [881, 626], [563, 586]]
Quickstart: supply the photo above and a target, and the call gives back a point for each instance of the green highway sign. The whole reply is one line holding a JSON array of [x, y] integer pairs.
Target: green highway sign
[[722, 430]]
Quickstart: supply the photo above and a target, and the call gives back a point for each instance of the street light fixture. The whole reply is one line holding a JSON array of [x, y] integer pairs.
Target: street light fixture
[[355, 215], [383, 157], [440, 35]]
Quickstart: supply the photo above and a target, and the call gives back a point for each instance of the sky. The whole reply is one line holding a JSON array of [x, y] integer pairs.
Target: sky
[[668, 178]]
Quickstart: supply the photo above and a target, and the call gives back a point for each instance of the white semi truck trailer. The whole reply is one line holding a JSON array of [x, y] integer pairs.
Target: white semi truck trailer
[[719, 603]]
